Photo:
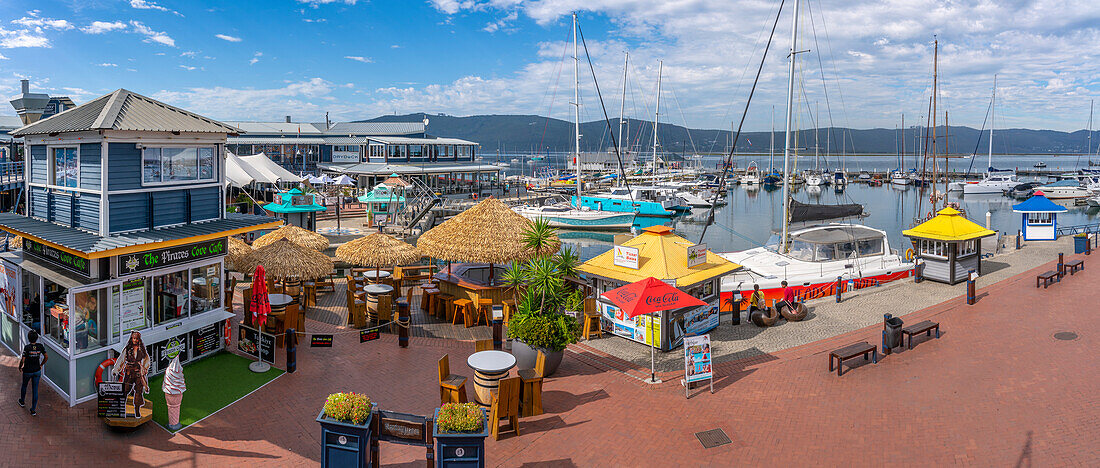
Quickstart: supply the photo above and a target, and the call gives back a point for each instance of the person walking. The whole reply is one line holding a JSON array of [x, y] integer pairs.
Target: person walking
[[34, 357]]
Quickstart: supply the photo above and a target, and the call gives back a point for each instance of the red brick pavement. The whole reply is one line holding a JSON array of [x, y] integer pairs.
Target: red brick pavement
[[996, 390]]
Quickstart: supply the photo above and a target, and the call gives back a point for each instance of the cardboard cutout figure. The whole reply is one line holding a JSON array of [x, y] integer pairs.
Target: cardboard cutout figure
[[133, 370]]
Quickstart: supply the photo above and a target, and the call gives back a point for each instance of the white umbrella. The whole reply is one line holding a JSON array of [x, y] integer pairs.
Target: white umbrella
[[325, 179], [345, 180], [317, 180]]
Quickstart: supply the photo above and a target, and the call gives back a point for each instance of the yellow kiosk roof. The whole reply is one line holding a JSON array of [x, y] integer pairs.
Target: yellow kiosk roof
[[662, 255], [948, 225]]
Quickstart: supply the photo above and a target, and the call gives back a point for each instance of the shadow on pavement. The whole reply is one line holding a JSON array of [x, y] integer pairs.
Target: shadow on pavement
[[556, 401], [561, 462]]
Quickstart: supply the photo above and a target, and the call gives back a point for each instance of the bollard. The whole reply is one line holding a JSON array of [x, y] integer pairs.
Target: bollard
[[1061, 266], [839, 288], [1088, 246], [376, 431], [498, 332], [970, 296], [736, 300], [918, 271], [1019, 235], [885, 347], [403, 328], [291, 351]]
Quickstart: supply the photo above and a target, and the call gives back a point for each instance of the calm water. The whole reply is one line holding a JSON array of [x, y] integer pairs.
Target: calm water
[[750, 216]]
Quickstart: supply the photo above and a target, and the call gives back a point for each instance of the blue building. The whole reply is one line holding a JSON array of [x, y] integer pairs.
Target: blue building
[[1039, 217], [126, 230]]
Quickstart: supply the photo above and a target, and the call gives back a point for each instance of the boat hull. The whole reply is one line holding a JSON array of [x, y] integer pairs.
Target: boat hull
[[821, 287], [618, 205]]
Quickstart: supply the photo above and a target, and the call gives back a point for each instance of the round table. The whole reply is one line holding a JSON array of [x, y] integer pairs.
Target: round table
[[489, 367], [374, 275], [279, 300], [373, 291]]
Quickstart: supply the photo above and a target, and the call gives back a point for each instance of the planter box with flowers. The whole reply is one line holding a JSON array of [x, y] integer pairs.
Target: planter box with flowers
[[345, 430], [460, 430]]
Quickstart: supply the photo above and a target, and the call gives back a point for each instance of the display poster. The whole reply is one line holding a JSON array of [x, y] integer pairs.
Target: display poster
[[321, 341], [626, 256], [697, 365], [168, 349], [111, 402], [696, 255], [636, 328], [256, 344], [9, 288], [205, 340], [131, 303], [701, 319]]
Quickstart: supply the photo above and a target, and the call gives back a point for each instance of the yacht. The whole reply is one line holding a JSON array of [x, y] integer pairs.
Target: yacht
[[815, 179], [900, 177], [816, 256], [1094, 201], [566, 217], [1024, 190], [1040, 165], [864, 176], [751, 176], [839, 179], [637, 200], [995, 181], [1063, 189]]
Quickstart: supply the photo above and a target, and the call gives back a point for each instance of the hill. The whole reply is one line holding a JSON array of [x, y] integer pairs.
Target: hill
[[533, 133]]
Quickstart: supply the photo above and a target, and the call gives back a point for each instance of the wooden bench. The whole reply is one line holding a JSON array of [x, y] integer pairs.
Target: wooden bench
[[925, 327], [851, 351], [1075, 265], [1046, 278]]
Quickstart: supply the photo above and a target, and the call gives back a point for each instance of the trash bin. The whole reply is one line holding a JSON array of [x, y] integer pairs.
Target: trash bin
[[893, 332], [1080, 242]]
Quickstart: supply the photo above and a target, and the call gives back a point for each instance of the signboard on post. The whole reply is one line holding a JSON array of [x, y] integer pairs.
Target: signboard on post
[[112, 400], [697, 362], [320, 341], [257, 344], [696, 255], [626, 257]]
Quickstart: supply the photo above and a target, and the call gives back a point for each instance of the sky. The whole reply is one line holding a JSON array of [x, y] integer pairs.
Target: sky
[[862, 63]]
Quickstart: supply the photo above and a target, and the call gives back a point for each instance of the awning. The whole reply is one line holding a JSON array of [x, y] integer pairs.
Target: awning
[[272, 171], [240, 174]]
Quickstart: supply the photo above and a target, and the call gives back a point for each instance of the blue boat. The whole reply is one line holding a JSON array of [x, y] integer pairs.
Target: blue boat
[[619, 200]]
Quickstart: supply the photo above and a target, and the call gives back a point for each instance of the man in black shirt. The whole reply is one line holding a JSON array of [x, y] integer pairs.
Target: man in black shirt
[[34, 357]]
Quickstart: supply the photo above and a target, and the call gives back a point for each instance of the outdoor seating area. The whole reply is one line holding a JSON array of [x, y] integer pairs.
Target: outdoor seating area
[[1063, 268]]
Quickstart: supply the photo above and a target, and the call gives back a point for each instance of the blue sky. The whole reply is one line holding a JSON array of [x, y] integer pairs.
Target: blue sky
[[260, 60]]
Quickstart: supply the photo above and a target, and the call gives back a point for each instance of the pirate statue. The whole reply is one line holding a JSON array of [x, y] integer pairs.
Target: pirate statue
[[133, 369]]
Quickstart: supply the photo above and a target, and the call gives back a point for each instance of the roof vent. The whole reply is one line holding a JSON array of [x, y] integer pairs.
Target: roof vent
[[288, 119]]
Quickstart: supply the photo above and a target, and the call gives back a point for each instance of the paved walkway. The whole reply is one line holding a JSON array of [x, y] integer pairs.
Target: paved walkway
[[996, 390]]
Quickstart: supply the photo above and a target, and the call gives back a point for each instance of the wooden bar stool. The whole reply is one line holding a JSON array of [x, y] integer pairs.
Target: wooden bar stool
[[427, 298], [484, 307], [465, 306], [509, 308], [531, 403], [592, 326], [444, 306]]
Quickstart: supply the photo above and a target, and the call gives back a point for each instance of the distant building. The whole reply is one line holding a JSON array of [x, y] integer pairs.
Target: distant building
[[32, 107]]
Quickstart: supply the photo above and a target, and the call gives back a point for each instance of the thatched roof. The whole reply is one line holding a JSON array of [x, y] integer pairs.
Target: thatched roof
[[238, 250], [294, 234], [284, 259], [378, 250], [490, 232]]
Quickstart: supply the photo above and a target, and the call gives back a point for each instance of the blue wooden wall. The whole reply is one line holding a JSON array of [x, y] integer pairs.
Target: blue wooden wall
[[90, 162], [39, 164], [128, 211], [206, 203], [124, 167]]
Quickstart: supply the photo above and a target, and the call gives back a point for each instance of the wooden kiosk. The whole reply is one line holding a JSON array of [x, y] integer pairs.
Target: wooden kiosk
[[1039, 217], [948, 246]]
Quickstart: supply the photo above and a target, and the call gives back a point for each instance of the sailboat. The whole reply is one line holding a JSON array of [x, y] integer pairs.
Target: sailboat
[[578, 215], [996, 180], [815, 178], [772, 177], [900, 176], [814, 256]]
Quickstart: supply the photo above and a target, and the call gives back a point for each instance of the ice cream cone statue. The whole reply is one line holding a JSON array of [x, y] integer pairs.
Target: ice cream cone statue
[[173, 387]]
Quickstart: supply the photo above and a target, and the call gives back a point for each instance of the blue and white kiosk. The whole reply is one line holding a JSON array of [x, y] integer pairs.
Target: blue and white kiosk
[[1039, 217]]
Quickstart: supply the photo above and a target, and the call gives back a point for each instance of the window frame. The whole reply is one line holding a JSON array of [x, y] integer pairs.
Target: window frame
[[51, 165], [198, 168]]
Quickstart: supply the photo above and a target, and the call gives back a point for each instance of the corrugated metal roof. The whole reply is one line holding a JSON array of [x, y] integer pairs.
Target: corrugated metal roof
[[89, 243], [661, 255], [125, 110], [948, 225], [421, 141], [387, 169], [376, 128], [275, 140], [331, 140], [278, 128]]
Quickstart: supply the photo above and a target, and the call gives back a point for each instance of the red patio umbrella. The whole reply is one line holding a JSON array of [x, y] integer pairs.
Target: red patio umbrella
[[261, 305], [648, 296]]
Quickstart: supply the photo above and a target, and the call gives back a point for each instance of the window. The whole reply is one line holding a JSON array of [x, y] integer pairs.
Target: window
[[969, 247], [1040, 218], [205, 288], [56, 307], [933, 248], [824, 252], [32, 301], [65, 169], [416, 151], [177, 164], [93, 324], [170, 298], [801, 250], [870, 247]]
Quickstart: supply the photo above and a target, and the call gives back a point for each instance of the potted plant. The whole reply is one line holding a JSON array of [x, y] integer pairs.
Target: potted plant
[[345, 430], [460, 430], [541, 296]]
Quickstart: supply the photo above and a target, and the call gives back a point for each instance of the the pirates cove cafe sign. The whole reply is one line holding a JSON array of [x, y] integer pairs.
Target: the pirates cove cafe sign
[[58, 257], [142, 261]]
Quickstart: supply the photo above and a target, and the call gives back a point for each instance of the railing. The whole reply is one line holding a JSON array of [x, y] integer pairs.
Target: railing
[[1077, 229], [11, 172]]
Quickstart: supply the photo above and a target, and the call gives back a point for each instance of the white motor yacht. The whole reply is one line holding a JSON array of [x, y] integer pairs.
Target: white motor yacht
[[568, 217], [994, 182], [900, 178], [1063, 189], [751, 175], [815, 179]]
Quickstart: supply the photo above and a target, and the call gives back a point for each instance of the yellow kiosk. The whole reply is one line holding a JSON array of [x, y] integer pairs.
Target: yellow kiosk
[[948, 246]]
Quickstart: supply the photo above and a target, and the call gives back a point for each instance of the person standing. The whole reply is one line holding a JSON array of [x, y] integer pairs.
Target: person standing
[[34, 357]]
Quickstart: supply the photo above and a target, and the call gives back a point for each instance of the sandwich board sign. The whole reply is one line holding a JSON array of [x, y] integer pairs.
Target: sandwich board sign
[[697, 362]]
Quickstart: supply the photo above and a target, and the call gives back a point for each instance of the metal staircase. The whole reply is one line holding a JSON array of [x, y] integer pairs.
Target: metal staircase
[[419, 201]]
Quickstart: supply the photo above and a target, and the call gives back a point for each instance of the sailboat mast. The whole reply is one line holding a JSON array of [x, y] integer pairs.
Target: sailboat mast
[[992, 113], [657, 116], [622, 106], [577, 110], [817, 146], [935, 91], [771, 146], [902, 141], [787, 137]]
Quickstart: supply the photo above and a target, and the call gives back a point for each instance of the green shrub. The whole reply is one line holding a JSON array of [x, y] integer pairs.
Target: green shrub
[[349, 407], [460, 417], [552, 331]]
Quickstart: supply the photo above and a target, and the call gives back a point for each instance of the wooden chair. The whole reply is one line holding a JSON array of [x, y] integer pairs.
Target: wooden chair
[[484, 308], [309, 294], [247, 307], [326, 283], [452, 388], [357, 313], [592, 326], [295, 318], [509, 308], [464, 306], [444, 306], [229, 291], [385, 311], [505, 404], [532, 387], [427, 297], [483, 345]]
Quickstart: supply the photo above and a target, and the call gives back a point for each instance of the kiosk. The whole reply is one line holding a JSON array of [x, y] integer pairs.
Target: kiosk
[[1039, 217], [126, 231], [659, 253], [297, 208], [948, 246]]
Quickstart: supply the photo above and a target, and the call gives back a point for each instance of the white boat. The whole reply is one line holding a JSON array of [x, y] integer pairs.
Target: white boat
[[1063, 189], [816, 256], [566, 217], [900, 178], [1094, 201], [751, 176], [839, 179], [994, 182], [815, 180]]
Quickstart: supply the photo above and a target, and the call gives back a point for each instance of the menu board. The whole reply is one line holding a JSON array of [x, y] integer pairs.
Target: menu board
[[111, 401], [132, 305], [205, 340], [697, 365], [256, 344]]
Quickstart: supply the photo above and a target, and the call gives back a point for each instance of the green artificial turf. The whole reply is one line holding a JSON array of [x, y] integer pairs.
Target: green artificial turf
[[212, 384]]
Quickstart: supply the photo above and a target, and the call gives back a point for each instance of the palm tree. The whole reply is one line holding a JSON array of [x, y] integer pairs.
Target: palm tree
[[539, 237], [514, 278]]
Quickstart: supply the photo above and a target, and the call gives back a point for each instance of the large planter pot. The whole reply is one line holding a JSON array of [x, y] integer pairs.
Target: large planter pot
[[526, 356], [344, 443], [460, 448]]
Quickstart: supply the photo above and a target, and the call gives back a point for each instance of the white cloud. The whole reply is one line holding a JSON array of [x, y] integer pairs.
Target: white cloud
[[151, 35], [147, 5], [502, 24], [225, 103], [189, 53], [318, 20], [2, 57], [227, 38], [255, 58], [359, 59], [185, 67], [44, 23], [106, 64], [318, 3], [451, 7], [395, 46], [100, 27], [22, 38]]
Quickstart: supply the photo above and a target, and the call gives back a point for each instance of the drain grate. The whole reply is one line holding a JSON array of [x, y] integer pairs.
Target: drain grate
[[713, 438], [1065, 336]]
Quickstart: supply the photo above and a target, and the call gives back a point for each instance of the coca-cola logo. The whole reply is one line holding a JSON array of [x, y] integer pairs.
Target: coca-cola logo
[[626, 297], [667, 298]]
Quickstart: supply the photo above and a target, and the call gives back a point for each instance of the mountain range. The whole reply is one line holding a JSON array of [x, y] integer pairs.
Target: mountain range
[[533, 133]]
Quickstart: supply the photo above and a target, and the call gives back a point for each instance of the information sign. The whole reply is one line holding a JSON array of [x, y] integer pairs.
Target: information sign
[[626, 257], [132, 304], [205, 340], [369, 335], [112, 400], [256, 344], [320, 341], [696, 255], [697, 361]]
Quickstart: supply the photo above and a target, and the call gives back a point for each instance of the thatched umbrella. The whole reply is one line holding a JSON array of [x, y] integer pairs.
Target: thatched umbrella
[[378, 250], [490, 232], [238, 250], [294, 234], [284, 259]]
